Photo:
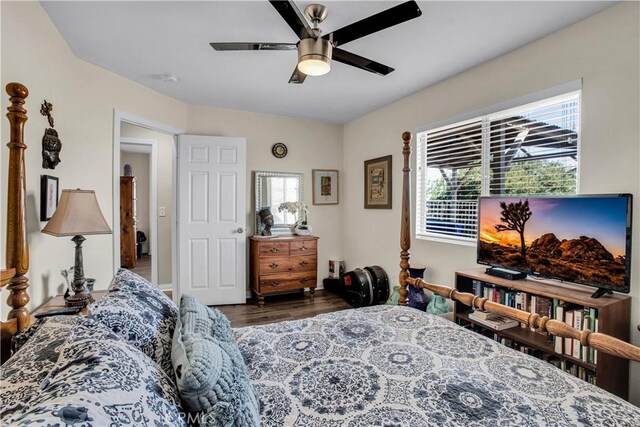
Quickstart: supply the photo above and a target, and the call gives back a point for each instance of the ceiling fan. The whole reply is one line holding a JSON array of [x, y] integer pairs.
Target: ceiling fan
[[316, 51]]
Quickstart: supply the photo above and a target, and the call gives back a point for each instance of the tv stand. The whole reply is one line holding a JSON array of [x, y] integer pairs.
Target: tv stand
[[601, 292], [613, 314]]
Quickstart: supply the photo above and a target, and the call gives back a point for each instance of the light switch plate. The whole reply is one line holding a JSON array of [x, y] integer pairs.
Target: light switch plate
[[162, 211]]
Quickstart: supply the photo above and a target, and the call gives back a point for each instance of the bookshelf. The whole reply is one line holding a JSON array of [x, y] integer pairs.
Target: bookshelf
[[614, 318]]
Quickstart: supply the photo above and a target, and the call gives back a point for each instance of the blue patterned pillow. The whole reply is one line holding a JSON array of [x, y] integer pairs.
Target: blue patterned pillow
[[127, 280], [101, 380], [37, 350], [210, 373], [140, 313]]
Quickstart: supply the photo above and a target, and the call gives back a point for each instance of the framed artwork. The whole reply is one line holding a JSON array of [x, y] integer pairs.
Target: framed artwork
[[48, 196], [325, 186], [377, 183]]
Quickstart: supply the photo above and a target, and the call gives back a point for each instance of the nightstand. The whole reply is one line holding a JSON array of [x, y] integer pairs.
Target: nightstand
[[58, 302]]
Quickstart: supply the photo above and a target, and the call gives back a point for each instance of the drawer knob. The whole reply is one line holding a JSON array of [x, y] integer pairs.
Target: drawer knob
[[304, 263], [304, 280], [273, 265], [303, 248], [275, 283], [274, 250]]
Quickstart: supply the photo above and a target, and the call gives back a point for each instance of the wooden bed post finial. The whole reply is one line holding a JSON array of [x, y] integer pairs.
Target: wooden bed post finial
[[405, 224], [17, 255]]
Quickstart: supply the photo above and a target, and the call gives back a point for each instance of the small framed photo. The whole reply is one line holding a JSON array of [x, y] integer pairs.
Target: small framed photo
[[48, 196], [377, 183], [325, 187]]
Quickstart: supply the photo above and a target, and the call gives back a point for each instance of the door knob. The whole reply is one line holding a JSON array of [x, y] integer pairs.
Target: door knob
[[240, 230]]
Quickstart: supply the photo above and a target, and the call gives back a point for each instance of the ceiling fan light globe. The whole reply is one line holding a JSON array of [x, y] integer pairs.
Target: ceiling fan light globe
[[314, 67], [314, 56]]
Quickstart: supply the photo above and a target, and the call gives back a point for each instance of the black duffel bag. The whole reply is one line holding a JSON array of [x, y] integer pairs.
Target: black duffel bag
[[362, 287]]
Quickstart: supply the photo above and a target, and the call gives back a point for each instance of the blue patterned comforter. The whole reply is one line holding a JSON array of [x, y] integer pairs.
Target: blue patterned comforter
[[396, 366]]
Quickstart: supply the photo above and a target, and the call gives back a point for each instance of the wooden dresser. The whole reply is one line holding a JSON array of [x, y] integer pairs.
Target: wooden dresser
[[128, 252], [283, 264]]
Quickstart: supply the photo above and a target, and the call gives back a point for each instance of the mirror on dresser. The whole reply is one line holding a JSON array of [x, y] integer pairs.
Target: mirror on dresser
[[273, 188]]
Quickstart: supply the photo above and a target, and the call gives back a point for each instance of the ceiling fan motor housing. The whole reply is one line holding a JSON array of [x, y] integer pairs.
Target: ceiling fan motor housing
[[314, 56]]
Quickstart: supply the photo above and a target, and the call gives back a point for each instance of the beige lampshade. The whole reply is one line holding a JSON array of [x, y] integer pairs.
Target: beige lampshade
[[77, 213]]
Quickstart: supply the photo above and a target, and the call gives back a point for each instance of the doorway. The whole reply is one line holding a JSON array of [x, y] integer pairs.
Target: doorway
[[139, 190], [147, 146]]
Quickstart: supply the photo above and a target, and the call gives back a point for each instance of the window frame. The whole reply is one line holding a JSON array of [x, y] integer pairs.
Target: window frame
[[484, 115]]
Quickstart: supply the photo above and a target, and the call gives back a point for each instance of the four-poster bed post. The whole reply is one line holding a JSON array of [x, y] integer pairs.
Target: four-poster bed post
[[598, 341], [405, 224], [17, 251]]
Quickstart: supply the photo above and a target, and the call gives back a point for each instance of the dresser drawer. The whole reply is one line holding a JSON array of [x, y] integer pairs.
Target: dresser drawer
[[275, 264], [303, 263], [303, 247], [283, 264], [280, 249], [283, 282]]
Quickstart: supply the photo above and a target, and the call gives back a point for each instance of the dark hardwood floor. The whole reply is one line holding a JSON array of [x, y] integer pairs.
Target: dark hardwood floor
[[143, 266], [278, 308]]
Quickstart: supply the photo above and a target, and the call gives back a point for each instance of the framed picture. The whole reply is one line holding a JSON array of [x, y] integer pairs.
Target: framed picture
[[48, 196], [325, 187], [377, 183]]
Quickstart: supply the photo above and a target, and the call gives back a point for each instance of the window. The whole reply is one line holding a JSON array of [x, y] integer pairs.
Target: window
[[528, 150]]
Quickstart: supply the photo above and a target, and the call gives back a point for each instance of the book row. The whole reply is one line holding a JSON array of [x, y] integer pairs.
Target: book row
[[574, 315], [566, 365]]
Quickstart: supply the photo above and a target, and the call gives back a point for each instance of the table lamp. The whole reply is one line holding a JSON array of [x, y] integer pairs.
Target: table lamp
[[77, 214]]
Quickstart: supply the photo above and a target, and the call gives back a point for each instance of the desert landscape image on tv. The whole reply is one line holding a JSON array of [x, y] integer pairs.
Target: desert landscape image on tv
[[581, 239]]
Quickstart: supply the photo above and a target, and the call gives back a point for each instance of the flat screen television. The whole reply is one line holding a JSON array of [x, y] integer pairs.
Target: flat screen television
[[580, 239]]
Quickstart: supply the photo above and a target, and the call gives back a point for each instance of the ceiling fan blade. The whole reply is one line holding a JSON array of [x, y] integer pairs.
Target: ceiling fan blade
[[253, 46], [360, 62], [297, 76], [385, 19], [293, 17]]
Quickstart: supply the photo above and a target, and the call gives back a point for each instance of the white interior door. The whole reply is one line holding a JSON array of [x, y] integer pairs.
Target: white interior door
[[212, 218]]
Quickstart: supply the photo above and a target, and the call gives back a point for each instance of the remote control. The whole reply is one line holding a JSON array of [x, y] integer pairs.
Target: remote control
[[57, 311]]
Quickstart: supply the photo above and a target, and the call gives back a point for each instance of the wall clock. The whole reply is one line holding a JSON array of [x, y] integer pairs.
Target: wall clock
[[279, 150]]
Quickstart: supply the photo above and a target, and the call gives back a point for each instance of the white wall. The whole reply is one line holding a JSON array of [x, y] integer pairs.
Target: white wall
[[139, 163], [602, 50], [165, 194], [84, 97], [311, 145]]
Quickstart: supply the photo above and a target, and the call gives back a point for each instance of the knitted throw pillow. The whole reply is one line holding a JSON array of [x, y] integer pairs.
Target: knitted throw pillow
[[210, 373]]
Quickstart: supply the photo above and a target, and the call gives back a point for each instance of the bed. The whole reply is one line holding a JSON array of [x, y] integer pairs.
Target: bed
[[381, 365]]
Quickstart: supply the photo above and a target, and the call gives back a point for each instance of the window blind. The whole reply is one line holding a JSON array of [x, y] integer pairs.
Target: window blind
[[527, 150], [283, 189]]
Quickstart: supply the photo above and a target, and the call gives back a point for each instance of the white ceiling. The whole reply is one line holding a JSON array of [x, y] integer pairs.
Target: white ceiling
[[142, 40]]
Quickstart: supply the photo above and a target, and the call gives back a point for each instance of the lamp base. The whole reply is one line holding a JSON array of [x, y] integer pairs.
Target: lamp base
[[79, 299]]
